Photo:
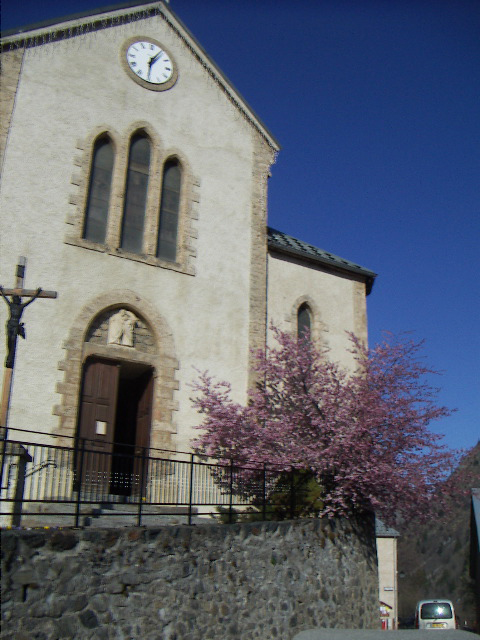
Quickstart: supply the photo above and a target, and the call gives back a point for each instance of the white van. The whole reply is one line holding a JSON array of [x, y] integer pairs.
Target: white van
[[435, 614]]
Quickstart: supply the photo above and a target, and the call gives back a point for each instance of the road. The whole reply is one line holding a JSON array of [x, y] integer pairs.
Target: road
[[374, 634]]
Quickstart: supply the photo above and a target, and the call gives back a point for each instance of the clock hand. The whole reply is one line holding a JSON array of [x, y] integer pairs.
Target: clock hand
[[155, 58]]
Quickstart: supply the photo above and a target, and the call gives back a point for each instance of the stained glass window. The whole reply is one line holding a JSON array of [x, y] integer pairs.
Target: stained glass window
[[169, 209], [96, 214], [136, 194], [304, 321]]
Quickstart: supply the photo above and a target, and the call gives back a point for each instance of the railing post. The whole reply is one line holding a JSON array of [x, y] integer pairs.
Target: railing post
[[190, 495], [292, 493], [264, 507], [142, 485], [230, 505], [23, 458], [80, 479], [4, 436]]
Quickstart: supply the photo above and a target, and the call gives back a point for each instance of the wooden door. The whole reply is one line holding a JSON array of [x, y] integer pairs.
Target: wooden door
[[96, 423], [142, 438]]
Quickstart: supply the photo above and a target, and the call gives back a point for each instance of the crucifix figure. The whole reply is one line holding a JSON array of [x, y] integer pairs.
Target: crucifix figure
[[15, 328]]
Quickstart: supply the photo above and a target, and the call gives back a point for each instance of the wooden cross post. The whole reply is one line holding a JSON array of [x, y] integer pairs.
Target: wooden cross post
[[15, 328]]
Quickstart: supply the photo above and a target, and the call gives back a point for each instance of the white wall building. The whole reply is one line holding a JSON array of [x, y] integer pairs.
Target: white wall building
[[134, 180], [387, 574]]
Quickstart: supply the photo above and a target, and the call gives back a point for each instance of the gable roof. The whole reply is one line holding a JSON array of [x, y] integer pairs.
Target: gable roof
[[383, 531], [283, 243], [82, 23]]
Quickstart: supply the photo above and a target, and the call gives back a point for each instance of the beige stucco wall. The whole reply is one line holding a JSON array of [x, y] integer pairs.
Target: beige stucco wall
[[67, 90], [387, 576], [337, 303], [208, 310]]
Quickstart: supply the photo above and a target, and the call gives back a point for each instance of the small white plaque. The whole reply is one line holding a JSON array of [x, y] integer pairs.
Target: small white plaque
[[100, 428]]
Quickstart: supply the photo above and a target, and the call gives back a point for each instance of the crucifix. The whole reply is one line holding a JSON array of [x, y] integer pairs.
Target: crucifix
[[13, 298]]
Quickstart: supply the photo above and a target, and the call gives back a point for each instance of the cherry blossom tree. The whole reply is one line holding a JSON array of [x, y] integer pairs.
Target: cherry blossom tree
[[363, 434]]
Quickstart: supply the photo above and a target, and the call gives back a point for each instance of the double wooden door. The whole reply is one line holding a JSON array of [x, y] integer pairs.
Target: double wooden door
[[114, 423]]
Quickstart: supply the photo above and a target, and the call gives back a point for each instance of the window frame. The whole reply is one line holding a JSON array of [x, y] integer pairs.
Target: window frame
[[172, 162], [129, 215], [185, 259], [304, 308], [88, 217]]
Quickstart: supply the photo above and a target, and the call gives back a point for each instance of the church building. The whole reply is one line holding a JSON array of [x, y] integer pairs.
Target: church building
[[134, 181]]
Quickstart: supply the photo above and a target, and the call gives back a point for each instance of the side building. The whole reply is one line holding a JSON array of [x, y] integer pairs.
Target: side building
[[387, 574]]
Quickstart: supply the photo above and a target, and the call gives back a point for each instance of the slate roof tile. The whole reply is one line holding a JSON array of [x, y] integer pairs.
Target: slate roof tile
[[280, 241]]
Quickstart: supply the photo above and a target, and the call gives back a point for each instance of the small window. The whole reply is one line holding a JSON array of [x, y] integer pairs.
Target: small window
[[136, 194], [169, 210], [436, 611], [96, 213], [304, 321]]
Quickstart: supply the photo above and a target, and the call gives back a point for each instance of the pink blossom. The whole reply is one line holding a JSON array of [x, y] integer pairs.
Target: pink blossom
[[363, 434]]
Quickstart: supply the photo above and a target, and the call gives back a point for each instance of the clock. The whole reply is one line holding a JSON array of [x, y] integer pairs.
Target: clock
[[148, 63]]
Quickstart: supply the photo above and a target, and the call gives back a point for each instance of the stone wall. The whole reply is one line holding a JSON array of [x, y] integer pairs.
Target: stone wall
[[207, 582]]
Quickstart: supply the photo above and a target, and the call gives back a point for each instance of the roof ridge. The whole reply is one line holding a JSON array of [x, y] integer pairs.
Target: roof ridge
[[289, 244]]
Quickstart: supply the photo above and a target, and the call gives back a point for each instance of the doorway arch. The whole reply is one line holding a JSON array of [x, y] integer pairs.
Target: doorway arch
[[152, 350]]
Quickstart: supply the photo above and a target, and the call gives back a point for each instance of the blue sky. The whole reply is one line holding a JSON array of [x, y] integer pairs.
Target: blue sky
[[376, 104]]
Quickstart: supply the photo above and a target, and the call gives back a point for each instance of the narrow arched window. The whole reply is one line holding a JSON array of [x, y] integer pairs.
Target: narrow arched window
[[136, 194], [96, 213], [304, 321], [169, 209]]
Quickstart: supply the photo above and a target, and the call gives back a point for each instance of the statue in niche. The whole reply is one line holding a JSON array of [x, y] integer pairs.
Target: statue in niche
[[120, 328]]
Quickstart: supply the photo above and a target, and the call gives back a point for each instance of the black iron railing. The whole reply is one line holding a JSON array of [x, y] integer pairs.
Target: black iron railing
[[69, 484]]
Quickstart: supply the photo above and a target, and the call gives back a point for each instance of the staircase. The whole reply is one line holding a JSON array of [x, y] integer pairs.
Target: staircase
[[107, 515]]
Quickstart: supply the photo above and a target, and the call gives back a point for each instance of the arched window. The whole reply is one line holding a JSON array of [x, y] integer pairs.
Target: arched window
[[169, 209], [136, 194], [96, 213], [304, 321]]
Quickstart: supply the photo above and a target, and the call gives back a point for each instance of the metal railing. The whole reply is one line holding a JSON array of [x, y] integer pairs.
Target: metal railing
[[67, 484]]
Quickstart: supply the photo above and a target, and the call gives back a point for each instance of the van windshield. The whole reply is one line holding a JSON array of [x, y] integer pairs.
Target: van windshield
[[437, 610]]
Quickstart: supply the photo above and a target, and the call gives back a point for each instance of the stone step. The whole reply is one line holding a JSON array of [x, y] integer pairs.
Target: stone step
[[108, 515]]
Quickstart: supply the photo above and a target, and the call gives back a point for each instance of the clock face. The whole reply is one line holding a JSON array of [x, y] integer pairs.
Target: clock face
[[149, 64]]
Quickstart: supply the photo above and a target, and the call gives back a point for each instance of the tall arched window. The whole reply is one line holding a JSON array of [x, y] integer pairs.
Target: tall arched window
[[136, 194], [96, 213], [169, 209], [304, 321]]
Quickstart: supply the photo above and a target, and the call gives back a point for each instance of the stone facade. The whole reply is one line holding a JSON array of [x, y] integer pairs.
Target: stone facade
[[258, 580]]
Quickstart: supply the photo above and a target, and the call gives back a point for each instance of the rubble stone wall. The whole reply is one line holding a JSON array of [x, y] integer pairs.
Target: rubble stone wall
[[265, 580]]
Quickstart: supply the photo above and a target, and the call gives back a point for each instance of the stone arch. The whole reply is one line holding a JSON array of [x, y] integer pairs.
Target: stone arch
[[80, 179], [174, 156], [319, 328], [187, 214], [103, 147], [86, 340]]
